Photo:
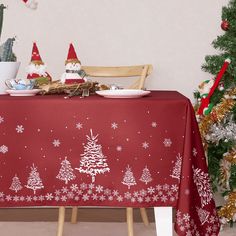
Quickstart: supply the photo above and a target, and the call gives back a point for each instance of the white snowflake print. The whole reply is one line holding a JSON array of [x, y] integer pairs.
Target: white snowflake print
[[3, 149], [56, 142], [79, 126], [19, 129], [167, 142], [194, 152], [114, 125], [1, 119], [118, 148], [154, 124], [145, 145]]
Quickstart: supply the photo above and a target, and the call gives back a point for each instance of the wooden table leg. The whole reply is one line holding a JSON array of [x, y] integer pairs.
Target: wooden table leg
[[144, 216], [74, 214], [61, 220], [130, 221], [163, 219]]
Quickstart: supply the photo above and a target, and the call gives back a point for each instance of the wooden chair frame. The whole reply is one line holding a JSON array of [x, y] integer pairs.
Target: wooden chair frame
[[141, 72]]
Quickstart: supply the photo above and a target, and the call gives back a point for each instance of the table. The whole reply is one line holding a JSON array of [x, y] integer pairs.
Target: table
[[95, 151]]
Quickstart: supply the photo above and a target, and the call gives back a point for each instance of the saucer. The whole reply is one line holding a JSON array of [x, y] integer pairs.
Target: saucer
[[28, 92]]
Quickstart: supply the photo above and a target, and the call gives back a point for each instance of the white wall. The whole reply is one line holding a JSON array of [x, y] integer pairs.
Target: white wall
[[173, 35]]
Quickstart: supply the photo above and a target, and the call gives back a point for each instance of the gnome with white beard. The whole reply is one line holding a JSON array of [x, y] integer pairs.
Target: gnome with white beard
[[37, 69], [73, 73]]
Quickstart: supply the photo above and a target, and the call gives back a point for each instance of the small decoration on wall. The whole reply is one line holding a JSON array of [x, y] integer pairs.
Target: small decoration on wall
[[73, 73], [32, 4], [37, 69]]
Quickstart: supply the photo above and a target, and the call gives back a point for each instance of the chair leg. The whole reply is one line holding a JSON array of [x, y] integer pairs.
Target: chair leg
[[74, 215], [144, 216], [61, 220], [130, 221]]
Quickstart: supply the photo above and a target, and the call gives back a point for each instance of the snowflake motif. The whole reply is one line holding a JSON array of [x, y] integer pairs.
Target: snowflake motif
[[83, 186], [136, 194], [1, 119], [154, 124], [63, 198], [115, 193], [102, 198], [95, 196], [174, 188], [158, 187], [118, 148], [140, 199], [128, 195], [99, 188], [19, 129], [151, 190], [56, 142], [76, 198], [22, 198], [3, 149], [16, 198], [35, 198], [49, 196], [167, 142], [74, 187], [41, 198], [91, 186], [57, 192], [79, 192], [186, 217], [28, 198], [194, 152], [143, 192], [79, 126], [145, 145], [1, 194], [90, 191], [114, 125], [133, 199], [57, 198], [107, 191], [166, 187], [110, 198], [164, 198], [8, 198], [147, 199], [64, 190], [120, 198]]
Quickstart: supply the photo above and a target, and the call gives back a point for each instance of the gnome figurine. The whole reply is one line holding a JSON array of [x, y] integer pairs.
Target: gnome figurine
[[73, 73], [37, 69]]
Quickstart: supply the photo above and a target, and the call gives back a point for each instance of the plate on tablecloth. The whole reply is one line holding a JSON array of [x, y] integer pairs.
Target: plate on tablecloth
[[28, 92], [123, 93]]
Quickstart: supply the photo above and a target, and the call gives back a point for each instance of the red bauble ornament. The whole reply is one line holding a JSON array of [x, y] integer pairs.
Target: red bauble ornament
[[225, 25]]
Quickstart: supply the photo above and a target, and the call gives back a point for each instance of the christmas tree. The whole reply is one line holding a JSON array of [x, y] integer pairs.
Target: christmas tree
[[146, 176], [129, 179], [66, 172], [34, 181], [16, 184], [216, 108], [93, 161]]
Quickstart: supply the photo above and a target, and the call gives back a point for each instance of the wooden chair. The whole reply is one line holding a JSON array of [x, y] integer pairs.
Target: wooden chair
[[140, 72]]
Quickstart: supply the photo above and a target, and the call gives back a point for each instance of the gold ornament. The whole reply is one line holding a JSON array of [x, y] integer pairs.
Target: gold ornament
[[230, 157], [228, 211]]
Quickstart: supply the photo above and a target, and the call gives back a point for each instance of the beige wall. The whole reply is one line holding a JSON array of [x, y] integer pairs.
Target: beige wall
[[173, 35]]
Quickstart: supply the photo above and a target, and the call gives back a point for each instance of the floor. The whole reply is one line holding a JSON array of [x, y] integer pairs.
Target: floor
[[82, 229]]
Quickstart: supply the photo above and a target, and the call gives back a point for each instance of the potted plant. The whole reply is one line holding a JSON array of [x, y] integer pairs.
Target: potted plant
[[8, 64]]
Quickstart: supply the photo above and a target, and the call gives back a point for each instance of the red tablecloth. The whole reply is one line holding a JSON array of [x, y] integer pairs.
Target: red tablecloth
[[96, 151]]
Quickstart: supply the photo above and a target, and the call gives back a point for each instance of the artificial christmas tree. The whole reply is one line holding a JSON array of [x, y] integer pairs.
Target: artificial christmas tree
[[216, 112]]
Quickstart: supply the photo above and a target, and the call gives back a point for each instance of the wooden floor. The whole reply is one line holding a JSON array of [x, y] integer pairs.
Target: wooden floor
[[84, 214]]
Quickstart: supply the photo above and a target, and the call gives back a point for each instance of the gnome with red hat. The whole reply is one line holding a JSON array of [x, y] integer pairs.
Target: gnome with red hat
[[73, 74], [37, 69]]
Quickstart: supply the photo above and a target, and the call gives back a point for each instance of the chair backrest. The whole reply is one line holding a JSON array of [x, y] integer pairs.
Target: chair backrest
[[139, 71]]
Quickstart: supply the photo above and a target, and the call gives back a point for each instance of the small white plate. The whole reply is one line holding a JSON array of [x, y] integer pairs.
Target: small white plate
[[28, 92], [123, 93]]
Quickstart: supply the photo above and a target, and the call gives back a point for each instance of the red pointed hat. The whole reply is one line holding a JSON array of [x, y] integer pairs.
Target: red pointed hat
[[35, 57], [72, 57]]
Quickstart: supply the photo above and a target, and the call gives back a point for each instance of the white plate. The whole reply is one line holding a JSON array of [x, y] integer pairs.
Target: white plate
[[28, 92], [123, 93]]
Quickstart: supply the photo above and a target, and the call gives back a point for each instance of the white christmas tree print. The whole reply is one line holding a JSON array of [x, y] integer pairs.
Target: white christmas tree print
[[34, 181], [203, 215], [176, 172], [93, 161], [129, 179], [66, 172], [201, 180], [16, 184], [146, 176]]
